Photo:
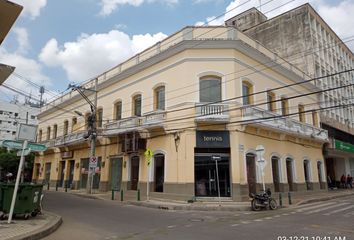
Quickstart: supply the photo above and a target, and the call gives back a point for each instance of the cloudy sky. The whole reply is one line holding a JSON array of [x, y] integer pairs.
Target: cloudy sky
[[54, 43]]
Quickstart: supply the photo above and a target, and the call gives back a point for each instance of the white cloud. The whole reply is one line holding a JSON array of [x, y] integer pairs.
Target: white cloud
[[22, 39], [90, 55], [108, 6], [27, 68], [31, 8]]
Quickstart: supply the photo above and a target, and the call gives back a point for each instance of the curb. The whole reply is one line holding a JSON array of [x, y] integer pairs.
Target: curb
[[47, 230], [190, 207], [323, 199]]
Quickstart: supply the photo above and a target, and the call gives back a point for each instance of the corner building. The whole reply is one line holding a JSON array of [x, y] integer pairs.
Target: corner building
[[192, 99]]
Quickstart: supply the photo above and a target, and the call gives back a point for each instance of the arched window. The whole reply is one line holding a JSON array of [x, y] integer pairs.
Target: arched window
[[48, 133], [301, 110], [247, 90], [99, 117], [284, 106], [210, 89], [117, 112], [66, 127], [137, 105], [55, 131], [271, 101], [40, 135], [159, 98], [73, 124]]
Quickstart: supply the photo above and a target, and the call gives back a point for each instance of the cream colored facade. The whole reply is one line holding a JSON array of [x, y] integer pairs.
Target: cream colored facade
[[179, 64]]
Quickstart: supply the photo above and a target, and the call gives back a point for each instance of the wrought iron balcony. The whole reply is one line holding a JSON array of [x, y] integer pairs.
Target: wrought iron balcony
[[272, 120], [212, 113]]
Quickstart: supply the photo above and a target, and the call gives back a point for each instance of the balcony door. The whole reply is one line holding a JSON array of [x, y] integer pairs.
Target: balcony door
[[209, 89]]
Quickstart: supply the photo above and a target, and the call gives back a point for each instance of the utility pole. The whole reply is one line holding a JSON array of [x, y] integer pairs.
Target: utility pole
[[92, 131], [91, 171]]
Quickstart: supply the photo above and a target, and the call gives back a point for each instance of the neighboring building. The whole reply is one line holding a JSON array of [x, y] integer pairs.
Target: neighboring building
[[304, 39], [179, 99], [12, 114]]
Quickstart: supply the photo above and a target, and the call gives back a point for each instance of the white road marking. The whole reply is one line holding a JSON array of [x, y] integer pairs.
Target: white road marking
[[245, 222], [316, 206], [235, 225], [325, 208], [339, 210], [268, 218], [258, 220]]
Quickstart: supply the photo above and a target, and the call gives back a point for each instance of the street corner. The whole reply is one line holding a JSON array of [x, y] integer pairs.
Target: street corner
[[35, 228]]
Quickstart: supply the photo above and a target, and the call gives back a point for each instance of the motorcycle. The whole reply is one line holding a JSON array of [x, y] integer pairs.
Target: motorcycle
[[263, 200]]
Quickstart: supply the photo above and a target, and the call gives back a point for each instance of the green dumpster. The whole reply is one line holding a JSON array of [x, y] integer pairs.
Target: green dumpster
[[28, 200]]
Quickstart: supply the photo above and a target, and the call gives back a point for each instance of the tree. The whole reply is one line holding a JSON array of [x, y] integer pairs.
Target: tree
[[9, 162]]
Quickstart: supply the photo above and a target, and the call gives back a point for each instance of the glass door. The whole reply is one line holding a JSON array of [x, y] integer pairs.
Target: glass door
[[209, 175]]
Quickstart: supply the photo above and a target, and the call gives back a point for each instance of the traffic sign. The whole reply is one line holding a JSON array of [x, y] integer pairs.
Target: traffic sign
[[27, 151], [148, 154], [93, 162], [19, 145]]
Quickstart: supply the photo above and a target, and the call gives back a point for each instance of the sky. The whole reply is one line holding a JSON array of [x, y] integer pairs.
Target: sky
[[55, 43]]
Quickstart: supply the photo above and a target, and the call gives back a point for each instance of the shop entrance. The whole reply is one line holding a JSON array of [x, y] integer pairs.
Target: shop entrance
[[159, 162], [71, 173], [134, 173], [116, 173], [289, 173], [212, 174], [47, 172], [275, 171], [251, 172], [62, 173]]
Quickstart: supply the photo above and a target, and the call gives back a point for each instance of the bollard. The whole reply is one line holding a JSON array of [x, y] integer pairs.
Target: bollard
[[56, 187], [121, 195], [289, 196], [112, 194], [66, 187], [48, 186], [280, 200], [138, 195]]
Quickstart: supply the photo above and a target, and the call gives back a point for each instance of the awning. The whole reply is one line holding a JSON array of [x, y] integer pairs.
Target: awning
[[9, 12]]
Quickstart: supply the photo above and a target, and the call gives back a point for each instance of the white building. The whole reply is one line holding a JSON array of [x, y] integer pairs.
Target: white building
[[11, 115]]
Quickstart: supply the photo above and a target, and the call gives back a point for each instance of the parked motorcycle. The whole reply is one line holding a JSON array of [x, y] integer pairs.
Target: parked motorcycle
[[263, 200]]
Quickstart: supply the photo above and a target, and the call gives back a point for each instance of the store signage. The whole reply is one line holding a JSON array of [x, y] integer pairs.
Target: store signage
[[213, 139], [347, 147], [68, 154]]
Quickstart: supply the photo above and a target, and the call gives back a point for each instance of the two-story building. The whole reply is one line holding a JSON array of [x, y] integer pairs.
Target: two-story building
[[202, 100]]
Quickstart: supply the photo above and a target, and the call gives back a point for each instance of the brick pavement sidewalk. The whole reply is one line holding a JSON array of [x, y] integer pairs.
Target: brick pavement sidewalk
[[33, 228]]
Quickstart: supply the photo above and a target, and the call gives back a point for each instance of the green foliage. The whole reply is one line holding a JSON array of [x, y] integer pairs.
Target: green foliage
[[9, 161]]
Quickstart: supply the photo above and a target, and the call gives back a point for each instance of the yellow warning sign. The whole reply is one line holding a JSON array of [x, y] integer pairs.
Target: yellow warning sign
[[148, 156]]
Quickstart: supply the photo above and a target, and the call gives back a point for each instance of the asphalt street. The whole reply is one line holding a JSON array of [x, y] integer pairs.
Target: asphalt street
[[94, 219]]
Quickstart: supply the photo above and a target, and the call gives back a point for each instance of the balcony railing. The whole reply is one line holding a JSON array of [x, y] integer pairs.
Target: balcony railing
[[153, 119], [122, 125], [212, 113], [71, 138], [285, 124]]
